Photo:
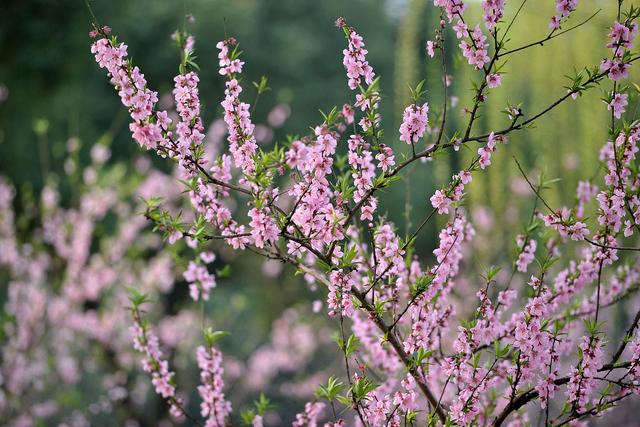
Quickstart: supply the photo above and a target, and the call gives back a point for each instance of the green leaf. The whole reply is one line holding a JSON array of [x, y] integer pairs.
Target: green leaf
[[329, 392], [262, 86], [352, 345], [136, 297], [263, 404], [224, 272], [247, 416], [211, 336], [362, 387]]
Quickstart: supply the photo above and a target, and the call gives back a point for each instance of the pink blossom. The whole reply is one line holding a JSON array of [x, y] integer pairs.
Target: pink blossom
[[492, 12], [494, 80], [431, 48], [339, 298], [214, 407], [414, 123], [618, 104], [263, 227], [355, 62]]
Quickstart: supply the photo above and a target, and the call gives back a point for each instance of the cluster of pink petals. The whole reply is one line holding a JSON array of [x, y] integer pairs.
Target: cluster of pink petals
[[431, 48], [309, 418], [146, 342], [533, 340], [560, 221], [189, 130], [200, 281], [494, 80], [564, 9], [228, 66], [443, 199], [426, 318], [622, 36], [581, 382], [618, 104], [368, 102], [634, 369], [485, 152], [475, 50], [133, 91], [361, 161], [355, 61], [317, 221], [527, 253], [263, 227], [377, 408], [452, 8], [619, 175], [339, 298], [385, 158], [205, 198], [347, 113], [242, 142], [472, 381], [214, 407], [585, 192], [315, 214], [492, 12], [414, 123], [389, 255], [377, 354]]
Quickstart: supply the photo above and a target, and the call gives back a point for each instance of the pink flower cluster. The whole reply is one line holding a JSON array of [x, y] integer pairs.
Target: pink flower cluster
[[189, 130], [377, 354], [339, 298], [613, 203], [443, 199], [527, 252], [385, 158], [494, 80], [414, 123], [618, 104], [452, 8], [146, 342], [200, 281], [389, 254], [361, 161], [622, 36], [228, 66], [132, 88], [475, 50], [581, 382], [532, 338], [585, 193], [355, 61], [214, 407], [242, 142], [368, 102], [205, 199], [309, 418], [634, 369], [428, 319], [485, 152], [564, 9], [263, 227], [562, 223], [315, 214], [492, 12]]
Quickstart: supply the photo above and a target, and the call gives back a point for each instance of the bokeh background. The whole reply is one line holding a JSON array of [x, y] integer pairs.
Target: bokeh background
[[51, 91]]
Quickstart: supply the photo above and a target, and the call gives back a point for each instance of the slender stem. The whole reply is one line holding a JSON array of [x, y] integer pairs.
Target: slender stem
[[552, 35]]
